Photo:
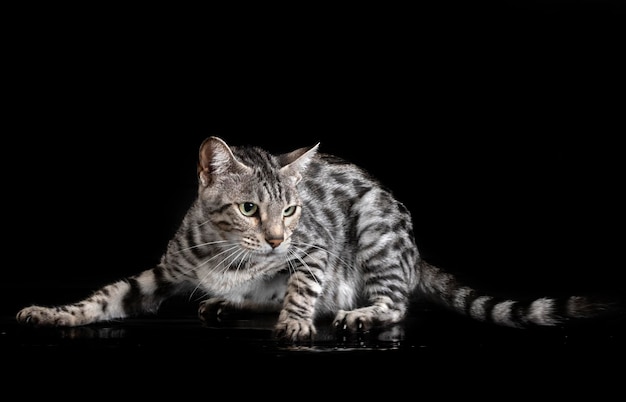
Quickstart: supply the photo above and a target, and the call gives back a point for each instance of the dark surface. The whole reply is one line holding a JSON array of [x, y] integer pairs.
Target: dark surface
[[433, 351]]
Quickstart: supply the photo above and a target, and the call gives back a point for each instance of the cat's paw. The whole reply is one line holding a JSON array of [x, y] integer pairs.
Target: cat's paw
[[211, 309], [366, 318], [37, 316], [295, 330], [359, 320]]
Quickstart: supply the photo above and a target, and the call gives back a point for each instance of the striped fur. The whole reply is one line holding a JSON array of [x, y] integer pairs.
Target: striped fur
[[306, 235]]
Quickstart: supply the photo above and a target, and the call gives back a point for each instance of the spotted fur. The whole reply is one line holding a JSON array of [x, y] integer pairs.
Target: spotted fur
[[304, 234]]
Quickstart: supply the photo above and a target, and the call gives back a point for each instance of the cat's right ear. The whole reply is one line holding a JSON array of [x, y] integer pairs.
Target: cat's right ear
[[216, 158], [295, 162]]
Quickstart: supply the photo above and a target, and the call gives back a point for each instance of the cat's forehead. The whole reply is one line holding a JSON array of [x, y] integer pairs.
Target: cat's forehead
[[263, 165], [260, 189], [264, 182]]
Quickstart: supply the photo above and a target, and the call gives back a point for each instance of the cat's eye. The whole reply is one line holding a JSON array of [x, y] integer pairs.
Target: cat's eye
[[248, 208], [289, 211]]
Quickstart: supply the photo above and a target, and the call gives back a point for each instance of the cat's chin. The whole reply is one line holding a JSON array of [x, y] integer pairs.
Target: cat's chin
[[269, 251], [281, 249], [277, 251]]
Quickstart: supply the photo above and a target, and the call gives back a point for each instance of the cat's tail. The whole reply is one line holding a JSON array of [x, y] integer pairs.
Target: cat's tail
[[446, 289]]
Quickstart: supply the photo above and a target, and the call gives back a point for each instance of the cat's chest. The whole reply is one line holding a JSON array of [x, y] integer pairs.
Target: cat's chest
[[259, 289], [245, 277]]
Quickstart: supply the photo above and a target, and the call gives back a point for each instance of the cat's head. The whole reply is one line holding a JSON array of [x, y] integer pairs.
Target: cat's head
[[251, 196]]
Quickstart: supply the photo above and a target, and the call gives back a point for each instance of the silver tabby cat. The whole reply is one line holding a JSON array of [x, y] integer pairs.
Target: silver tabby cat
[[304, 234]]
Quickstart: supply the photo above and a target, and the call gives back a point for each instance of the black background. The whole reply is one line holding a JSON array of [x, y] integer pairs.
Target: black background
[[498, 126]]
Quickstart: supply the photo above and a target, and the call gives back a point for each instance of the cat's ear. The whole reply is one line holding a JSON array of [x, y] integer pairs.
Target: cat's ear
[[295, 162], [217, 158]]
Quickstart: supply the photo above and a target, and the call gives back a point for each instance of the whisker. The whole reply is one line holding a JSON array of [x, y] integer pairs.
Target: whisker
[[337, 256], [235, 246], [204, 223], [233, 258], [246, 255], [211, 270], [307, 265], [292, 268], [202, 244]]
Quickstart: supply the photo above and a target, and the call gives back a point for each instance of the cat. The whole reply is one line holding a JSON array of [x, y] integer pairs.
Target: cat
[[306, 235]]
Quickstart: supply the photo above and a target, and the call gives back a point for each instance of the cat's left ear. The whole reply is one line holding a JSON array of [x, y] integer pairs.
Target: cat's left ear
[[295, 162]]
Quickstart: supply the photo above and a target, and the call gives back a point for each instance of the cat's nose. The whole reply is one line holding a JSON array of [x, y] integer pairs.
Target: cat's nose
[[274, 242]]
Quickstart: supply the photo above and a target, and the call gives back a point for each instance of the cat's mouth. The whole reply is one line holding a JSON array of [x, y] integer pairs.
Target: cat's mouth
[[266, 247], [279, 250]]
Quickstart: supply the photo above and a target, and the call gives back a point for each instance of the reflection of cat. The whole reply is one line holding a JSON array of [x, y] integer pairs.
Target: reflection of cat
[[304, 234]]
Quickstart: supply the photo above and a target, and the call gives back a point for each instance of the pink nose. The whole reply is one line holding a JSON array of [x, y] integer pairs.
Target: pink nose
[[274, 242]]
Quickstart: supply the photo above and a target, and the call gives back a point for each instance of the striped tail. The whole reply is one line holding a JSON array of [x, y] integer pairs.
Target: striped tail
[[445, 289]]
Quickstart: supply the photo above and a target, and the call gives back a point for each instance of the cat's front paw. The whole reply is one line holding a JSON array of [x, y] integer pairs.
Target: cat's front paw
[[295, 330], [37, 316], [366, 318], [353, 321], [211, 309]]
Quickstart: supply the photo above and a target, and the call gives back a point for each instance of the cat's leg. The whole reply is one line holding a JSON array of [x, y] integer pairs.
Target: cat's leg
[[212, 309], [386, 258], [135, 295], [104, 304], [387, 293], [295, 321]]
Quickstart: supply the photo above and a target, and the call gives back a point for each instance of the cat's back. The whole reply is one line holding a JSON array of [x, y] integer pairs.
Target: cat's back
[[335, 179], [343, 193]]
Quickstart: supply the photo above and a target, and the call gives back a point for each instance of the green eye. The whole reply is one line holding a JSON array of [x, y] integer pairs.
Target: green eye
[[290, 210], [248, 208]]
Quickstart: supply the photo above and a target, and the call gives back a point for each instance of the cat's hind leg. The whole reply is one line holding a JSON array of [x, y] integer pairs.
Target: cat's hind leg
[[386, 258]]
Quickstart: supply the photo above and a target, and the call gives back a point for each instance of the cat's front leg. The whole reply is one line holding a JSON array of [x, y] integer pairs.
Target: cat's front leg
[[60, 316], [293, 328], [295, 321], [102, 305], [211, 309], [135, 295]]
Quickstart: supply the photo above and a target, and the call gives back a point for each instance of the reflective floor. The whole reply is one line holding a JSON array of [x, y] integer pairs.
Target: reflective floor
[[433, 347]]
